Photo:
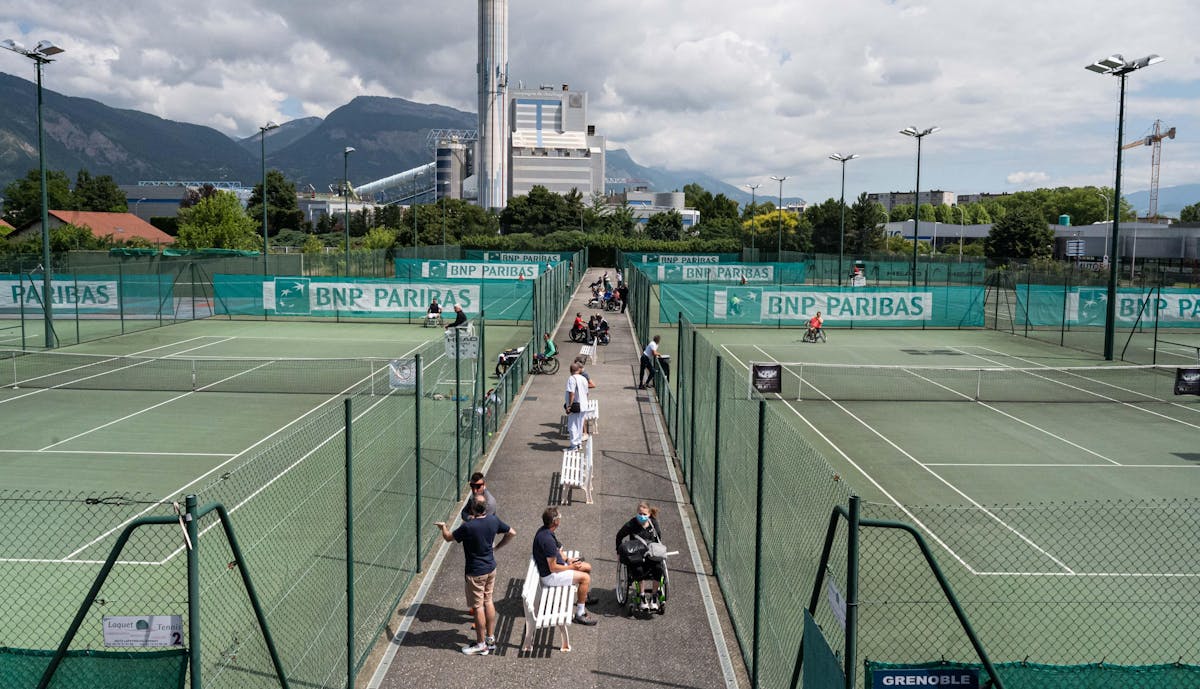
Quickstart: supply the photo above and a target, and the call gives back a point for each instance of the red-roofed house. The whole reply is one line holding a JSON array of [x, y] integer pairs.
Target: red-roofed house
[[5, 228], [121, 227]]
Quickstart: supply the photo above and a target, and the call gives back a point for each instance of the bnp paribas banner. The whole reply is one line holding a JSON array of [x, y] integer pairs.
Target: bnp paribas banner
[[517, 256], [300, 296], [868, 307], [104, 294], [767, 273], [1049, 305], [465, 270], [683, 258]]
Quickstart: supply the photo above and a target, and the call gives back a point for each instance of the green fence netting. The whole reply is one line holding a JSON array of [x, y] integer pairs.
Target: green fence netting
[[98, 669]]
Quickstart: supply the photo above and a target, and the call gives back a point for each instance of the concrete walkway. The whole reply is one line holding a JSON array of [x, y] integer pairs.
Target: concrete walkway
[[692, 645]]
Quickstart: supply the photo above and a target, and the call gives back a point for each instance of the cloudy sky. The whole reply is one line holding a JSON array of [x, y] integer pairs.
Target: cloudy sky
[[740, 90]]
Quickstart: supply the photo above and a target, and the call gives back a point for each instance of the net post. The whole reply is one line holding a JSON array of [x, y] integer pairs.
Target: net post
[[121, 295], [756, 638], [716, 494], [418, 395], [349, 478], [193, 584], [978, 385], [800, 384], [194, 375]]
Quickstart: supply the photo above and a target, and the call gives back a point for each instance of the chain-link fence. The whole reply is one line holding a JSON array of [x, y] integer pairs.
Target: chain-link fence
[[1062, 584], [332, 514]]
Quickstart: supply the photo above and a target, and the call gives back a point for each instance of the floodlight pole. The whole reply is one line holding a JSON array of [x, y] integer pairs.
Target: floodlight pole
[[1119, 67], [262, 132], [346, 200], [779, 244], [40, 55], [843, 159], [917, 134]]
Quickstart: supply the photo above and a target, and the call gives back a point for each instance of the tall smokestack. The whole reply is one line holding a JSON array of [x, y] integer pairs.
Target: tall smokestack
[[492, 167]]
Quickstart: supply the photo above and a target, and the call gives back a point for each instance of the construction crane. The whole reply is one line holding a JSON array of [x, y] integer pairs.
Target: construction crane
[[1154, 141]]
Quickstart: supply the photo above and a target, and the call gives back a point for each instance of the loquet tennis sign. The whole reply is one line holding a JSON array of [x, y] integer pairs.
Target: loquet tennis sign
[[143, 631]]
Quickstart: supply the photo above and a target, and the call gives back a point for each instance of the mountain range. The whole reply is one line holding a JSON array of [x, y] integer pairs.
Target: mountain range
[[389, 135]]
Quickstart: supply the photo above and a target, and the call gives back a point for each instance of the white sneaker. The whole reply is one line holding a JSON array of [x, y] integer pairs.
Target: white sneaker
[[476, 650]]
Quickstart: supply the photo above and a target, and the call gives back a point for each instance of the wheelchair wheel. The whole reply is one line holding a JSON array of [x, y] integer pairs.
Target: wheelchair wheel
[[821, 335], [622, 589], [577, 335], [550, 366]]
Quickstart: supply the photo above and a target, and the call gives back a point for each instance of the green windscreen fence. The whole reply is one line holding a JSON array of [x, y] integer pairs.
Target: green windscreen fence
[[822, 668], [894, 269], [955, 307], [629, 257], [96, 669], [517, 256], [727, 273], [1055, 305], [112, 295], [254, 295], [1035, 675]]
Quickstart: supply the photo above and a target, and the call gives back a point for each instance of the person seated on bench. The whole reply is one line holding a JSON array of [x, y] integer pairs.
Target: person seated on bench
[[549, 349], [554, 570], [460, 318]]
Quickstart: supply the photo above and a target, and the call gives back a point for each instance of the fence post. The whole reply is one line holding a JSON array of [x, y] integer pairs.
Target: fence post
[[482, 387], [758, 544], [349, 477], [691, 481], [675, 435], [852, 590], [716, 495], [419, 393], [457, 418], [193, 581]]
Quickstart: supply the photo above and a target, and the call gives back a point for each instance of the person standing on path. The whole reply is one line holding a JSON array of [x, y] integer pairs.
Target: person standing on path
[[623, 293], [575, 405], [648, 356], [477, 536]]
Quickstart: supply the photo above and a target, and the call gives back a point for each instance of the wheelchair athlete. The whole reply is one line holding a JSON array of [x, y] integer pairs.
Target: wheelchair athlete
[[815, 329], [641, 579]]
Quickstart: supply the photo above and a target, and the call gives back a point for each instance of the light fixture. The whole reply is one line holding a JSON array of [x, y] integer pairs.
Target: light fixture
[[843, 159], [917, 134]]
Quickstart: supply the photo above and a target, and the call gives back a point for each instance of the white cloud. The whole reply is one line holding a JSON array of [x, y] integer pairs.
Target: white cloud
[[741, 91], [1027, 179]]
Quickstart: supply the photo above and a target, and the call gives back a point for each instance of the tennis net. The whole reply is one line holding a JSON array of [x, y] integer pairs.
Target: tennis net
[[62, 370], [1076, 384]]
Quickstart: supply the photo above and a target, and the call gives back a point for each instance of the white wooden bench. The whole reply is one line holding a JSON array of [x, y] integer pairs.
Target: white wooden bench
[[547, 606], [588, 351], [576, 471], [591, 416]]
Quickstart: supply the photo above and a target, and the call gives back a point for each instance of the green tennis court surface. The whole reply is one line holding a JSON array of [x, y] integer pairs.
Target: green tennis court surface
[[243, 412], [1055, 490]]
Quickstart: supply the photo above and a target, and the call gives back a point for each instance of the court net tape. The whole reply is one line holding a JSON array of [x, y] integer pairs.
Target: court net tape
[[1076, 384], [60, 370]]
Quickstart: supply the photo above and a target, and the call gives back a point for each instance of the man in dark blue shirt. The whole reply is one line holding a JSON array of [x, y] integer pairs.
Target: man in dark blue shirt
[[558, 571], [477, 535]]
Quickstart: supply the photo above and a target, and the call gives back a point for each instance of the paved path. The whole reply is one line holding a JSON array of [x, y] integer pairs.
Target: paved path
[[678, 649]]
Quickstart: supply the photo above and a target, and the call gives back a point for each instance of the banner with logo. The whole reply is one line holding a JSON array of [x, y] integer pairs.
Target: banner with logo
[[517, 256], [683, 258], [410, 269], [1054, 305], [1187, 381], [731, 273], [766, 379], [89, 294], [847, 307], [300, 296]]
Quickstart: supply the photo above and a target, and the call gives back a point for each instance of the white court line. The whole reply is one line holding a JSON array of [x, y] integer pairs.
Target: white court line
[[934, 474], [1064, 466], [1014, 418], [1082, 377], [118, 452], [199, 478]]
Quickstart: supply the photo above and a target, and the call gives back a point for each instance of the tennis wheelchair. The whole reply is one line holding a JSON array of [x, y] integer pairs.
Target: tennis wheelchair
[[636, 566], [814, 335]]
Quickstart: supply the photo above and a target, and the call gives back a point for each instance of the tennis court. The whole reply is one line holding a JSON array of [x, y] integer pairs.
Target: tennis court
[[248, 413], [1055, 492]]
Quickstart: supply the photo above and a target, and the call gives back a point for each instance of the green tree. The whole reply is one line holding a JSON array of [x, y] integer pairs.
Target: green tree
[[100, 194], [712, 208], [219, 222], [864, 232], [539, 212], [283, 209], [825, 218], [23, 197], [1022, 233], [379, 238], [1190, 213], [313, 245], [667, 225]]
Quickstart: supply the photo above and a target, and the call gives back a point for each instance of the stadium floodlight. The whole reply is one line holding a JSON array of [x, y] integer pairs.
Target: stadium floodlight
[[917, 134], [346, 200], [843, 159], [1117, 66], [40, 54], [262, 133]]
